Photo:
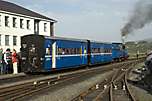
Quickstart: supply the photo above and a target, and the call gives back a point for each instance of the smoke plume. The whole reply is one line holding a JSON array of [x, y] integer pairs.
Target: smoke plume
[[141, 16]]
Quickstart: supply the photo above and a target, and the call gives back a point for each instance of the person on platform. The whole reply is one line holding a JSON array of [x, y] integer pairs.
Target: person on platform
[[15, 61], [8, 61], [1, 61]]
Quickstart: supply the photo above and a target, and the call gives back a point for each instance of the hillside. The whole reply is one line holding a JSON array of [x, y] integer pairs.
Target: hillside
[[141, 47]]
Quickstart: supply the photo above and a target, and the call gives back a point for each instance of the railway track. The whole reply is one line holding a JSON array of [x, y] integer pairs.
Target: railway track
[[119, 90], [23, 77], [114, 88], [24, 89], [20, 90]]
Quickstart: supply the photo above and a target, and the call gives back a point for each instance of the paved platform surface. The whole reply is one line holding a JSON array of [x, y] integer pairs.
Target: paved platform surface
[[5, 76]]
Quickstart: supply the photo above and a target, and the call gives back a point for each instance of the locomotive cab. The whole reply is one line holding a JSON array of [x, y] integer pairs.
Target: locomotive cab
[[125, 52], [32, 53]]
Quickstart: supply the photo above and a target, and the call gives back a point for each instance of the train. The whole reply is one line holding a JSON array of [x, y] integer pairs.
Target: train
[[46, 54]]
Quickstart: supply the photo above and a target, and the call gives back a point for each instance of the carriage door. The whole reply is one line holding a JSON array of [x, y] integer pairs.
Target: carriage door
[[84, 53], [54, 55], [88, 52], [48, 55]]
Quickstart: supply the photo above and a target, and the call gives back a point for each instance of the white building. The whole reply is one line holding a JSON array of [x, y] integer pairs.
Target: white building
[[16, 21]]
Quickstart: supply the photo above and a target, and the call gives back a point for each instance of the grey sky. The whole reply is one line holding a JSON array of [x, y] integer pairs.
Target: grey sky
[[88, 19]]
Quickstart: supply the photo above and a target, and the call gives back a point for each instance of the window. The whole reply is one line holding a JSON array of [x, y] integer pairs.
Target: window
[[0, 39], [21, 23], [28, 24], [68, 51], [95, 50], [45, 27], [108, 51], [7, 40], [102, 50], [7, 21], [48, 51], [14, 40], [14, 22]]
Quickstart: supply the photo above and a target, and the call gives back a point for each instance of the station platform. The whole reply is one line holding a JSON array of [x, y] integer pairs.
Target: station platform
[[5, 76]]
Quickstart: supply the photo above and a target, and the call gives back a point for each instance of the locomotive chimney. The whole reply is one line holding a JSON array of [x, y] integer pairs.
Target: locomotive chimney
[[123, 38]]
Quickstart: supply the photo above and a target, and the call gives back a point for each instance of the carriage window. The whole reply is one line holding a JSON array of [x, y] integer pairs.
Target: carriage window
[[85, 51], [108, 51], [105, 50], [67, 51], [101, 50], [48, 51], [59, 51], [95, 50]]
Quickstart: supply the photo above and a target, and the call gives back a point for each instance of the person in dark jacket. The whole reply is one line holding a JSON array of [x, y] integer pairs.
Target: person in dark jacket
[[8, 61], [1, 61]]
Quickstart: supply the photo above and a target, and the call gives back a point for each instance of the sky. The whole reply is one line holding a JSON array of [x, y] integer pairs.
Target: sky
[[99, 20]]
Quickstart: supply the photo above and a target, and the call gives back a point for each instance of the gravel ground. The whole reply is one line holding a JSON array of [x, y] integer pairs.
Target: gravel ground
[[69, 92], [140, 82]]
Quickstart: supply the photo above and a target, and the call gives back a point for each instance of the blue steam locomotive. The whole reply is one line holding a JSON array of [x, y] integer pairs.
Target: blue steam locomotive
[[44, 54]]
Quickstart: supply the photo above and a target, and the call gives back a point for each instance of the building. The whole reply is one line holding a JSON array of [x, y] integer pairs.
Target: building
[[16, 21]]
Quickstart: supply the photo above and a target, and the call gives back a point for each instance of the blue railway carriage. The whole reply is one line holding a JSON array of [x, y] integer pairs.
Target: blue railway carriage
[[70, 53], [100, 53], [45, 54]]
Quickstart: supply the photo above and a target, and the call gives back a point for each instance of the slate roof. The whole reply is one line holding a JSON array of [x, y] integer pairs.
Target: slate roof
[[11, 7]]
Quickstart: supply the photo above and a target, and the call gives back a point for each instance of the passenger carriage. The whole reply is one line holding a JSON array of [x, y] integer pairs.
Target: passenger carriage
[[70, 53], [100, 53], [44, 54]]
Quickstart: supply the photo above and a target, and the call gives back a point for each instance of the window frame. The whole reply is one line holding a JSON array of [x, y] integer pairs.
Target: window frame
[[28, 24], [45, 27], [7, 40], [14, 22], [68, 51], [14, 40], [6, 21], [21, 23]]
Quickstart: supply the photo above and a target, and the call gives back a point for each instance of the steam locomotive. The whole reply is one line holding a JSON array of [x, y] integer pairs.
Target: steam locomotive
[[45, 54]]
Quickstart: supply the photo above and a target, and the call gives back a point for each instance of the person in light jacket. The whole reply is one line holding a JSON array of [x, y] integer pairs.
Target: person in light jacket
[[15, 61]]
